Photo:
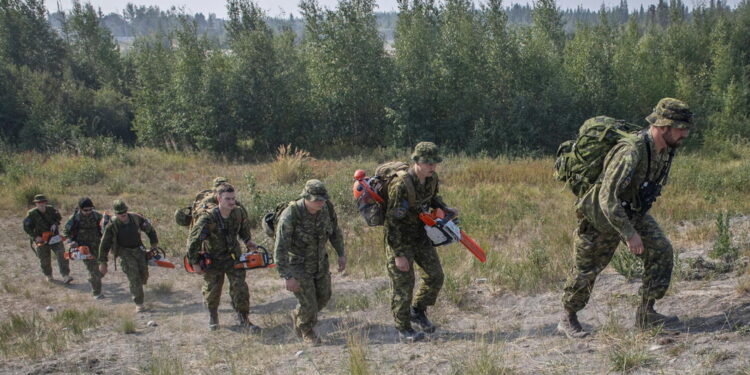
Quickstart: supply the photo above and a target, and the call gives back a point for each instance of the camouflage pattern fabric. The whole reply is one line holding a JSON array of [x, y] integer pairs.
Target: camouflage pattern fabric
[[37, 223], [300, 252], [604, 223], [426, 152], [595, 249], [109, 239], [405, 236], [45, 252], [671, 112], [135, 266], [218, 237], [85, 231]]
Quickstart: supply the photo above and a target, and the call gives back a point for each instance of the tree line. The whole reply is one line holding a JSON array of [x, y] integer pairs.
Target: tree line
[[458, 74]]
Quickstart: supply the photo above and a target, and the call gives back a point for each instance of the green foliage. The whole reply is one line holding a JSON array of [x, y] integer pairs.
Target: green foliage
[[627, 264], [723, 248]]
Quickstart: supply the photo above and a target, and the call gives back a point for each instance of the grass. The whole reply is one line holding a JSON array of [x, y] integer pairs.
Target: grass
[[488, 360], [163, 288], [514, 209], [629, 351], [127, 325], [351, 301], [356, 347]]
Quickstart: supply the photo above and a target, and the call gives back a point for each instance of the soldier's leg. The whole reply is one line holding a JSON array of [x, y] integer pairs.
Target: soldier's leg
[[62, 264], [658, 259], [432, 277], [45, 259], [323, 290], [402, 285], [95, 277], [142, 266], [213, 281], [307, 305], [238, 290], [593, 251], [129, 264]]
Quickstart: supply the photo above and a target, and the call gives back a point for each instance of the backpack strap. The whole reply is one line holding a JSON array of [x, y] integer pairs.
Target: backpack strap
[[411, 192]]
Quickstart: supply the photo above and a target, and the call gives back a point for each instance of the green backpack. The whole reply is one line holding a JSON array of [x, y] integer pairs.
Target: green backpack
[[580, 161], [270, 221]]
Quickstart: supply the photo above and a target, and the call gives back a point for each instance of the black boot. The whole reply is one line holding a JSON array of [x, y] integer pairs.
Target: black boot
[[570, 326], [418, 316], [646, 317], [213, 319], [410, 335], [244, 323]]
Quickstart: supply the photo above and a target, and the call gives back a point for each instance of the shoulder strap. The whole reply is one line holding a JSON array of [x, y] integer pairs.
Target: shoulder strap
[[648, 155], [44, 219], [411, 193], [330, 210]]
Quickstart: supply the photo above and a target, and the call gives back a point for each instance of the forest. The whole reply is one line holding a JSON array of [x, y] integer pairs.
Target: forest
[[481, 79]]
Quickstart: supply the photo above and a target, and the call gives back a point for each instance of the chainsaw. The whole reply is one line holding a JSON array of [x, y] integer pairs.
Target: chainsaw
[[255, 259], [79, 252], [158, 258], [443, 230]]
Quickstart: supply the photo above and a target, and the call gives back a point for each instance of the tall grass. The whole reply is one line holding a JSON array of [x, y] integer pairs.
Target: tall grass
[[290, 165], [356, 346]]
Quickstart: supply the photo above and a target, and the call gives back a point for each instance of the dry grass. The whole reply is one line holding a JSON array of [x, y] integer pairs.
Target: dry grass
[[290, 165], [356, 345]]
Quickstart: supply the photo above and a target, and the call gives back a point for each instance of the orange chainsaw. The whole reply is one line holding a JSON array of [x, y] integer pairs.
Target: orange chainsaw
[[255, 259], [50, 238], [442, 230], [79, 252], [158, 258], [203, 259]]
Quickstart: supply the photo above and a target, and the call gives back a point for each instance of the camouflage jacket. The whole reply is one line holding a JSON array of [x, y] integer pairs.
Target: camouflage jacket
[[625, 169], [218, 236], [300, 248], [109, 240], [37, 222], [85, 230], [403, 229]]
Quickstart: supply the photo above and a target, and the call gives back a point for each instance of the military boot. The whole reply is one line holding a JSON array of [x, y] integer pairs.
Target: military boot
[[245, 323], [310, 337], [570, 326], [418, 316], [297, 330], [67, 279], [410, 335], [646, 317], [213, 319]]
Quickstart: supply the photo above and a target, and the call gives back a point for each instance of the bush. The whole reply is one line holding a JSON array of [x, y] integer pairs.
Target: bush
[[290, 165], [723, 248]]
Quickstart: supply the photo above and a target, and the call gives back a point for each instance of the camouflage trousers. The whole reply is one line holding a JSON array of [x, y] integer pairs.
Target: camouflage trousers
[[313, 295], [402, 283], [135, 266], [45, 259], [594, 250], [213, 281], [95, 277]]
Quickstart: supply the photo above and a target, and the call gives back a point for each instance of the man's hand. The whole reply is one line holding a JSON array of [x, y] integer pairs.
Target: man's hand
[[342, 264], [103, 268], [38, 239], [292, 285], [198, 269], [635, 244], [402, 264], [251, 245]]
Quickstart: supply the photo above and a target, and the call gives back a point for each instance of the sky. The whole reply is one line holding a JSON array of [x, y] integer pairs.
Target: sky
[[282, 8]]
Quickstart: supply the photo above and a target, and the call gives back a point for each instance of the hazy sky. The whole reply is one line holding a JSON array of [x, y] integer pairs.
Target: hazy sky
[[284, 7]]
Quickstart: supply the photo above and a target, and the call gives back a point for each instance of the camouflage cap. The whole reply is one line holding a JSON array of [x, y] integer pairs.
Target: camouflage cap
[[315, 190], [39, 198], [220, 180], [426, 152], [671, 112], [120, 207]]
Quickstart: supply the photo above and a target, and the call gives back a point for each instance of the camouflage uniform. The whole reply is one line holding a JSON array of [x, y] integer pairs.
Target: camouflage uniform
[[300, 252], [406, 237], [612, 211], [217, 236], [86, 230], [37, 223], [132, 256]]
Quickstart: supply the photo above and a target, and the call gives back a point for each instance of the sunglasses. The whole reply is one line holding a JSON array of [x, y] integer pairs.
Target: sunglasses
[[87, 209]]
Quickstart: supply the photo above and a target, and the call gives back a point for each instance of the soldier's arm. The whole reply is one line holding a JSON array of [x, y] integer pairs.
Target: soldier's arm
[[397, 218], [618, 174], [283, 243], [148, 228], [69, 227], [57, 217], [28, 225], [106, 244], [198, 233], [244, 233], [336, 237]]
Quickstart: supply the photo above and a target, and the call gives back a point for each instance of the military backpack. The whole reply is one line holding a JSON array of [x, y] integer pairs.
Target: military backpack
[[186, 216], [580, 161], [270, 221]]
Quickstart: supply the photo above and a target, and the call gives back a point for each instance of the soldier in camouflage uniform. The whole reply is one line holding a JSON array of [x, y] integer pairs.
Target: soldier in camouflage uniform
[[303, 230], [215, 234], [123, 236], [407, 242], [615, 210], [84, 228], [40, 219]]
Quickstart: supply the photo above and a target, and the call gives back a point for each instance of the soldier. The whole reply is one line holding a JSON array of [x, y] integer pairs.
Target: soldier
[[123, 236], [84, 228], [303, 229], [42, 224], [615, 210], [407, 242], [215, 234]]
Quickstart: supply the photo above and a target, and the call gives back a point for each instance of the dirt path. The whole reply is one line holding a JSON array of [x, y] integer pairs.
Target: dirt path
[[492, 333]]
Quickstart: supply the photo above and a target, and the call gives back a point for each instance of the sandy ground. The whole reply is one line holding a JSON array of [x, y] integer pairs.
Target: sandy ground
[[495, 331]]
